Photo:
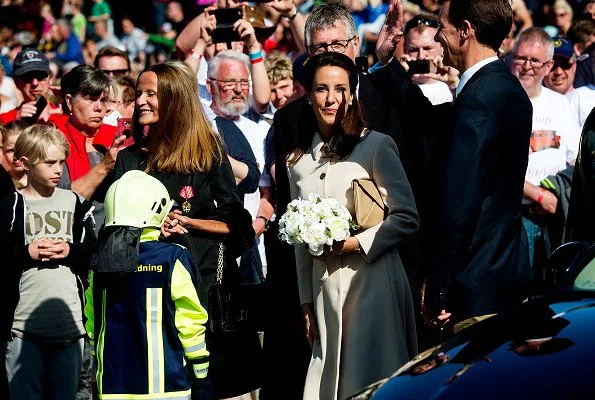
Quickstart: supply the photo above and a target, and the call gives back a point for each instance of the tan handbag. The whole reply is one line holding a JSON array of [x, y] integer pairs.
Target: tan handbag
[[370, 209]]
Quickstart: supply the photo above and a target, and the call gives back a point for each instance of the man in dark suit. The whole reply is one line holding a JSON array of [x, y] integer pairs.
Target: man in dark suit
[[481, 263]]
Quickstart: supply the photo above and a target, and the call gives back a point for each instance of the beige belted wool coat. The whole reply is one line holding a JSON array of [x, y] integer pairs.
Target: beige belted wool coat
[[362, 301]]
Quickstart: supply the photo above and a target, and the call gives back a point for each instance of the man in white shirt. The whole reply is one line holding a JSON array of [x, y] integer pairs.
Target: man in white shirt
[[554, 138], [420, 45], [561, 77]]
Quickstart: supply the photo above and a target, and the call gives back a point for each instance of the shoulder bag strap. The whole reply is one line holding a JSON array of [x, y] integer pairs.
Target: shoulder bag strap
[[220, 265]]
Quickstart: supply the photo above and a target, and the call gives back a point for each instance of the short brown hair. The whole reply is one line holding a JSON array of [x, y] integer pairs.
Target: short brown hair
[[491, 19], [111, 51], [34, 141]]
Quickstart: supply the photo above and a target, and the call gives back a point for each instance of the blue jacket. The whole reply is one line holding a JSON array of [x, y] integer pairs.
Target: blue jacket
[[148, 327]]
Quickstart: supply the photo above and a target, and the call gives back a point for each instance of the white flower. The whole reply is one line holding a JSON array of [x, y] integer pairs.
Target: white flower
[[315, 221]]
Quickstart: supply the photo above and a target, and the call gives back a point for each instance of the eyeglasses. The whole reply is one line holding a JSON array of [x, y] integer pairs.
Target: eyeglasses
[[534, 63], [339, 46], [115, 72], [420, 20], [232, 84]]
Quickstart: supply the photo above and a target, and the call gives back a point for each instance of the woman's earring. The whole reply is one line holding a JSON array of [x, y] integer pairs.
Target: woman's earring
[[309, 101], [350, 103]]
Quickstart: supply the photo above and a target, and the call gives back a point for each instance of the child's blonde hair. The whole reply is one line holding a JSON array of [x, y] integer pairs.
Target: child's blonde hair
[[34, 141], [279, 67]]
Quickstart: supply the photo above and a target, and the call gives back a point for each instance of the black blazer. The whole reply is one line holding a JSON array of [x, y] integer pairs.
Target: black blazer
[[581, 212], [481, 263]]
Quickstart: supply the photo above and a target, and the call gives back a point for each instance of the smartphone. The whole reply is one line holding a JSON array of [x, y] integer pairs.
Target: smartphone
[[419, 67], [40, 105], [124, 127], [224, 32]]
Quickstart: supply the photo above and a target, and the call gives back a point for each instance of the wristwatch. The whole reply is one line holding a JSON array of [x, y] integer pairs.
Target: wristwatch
[[266, 222]]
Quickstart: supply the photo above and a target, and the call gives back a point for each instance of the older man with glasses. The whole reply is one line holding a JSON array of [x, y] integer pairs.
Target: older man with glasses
[[553, 145]]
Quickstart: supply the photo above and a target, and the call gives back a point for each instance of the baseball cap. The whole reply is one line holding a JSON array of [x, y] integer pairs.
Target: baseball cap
[[563, 47], [30, 60]]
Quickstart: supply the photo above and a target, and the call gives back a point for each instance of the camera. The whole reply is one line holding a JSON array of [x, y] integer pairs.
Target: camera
[[419, 67], [224, 32]]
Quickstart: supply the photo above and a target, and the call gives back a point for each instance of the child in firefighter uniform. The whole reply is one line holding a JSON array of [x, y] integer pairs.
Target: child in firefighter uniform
[[144, 318]]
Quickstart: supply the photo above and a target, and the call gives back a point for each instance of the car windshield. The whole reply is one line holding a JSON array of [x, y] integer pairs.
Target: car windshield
[[585, 281]]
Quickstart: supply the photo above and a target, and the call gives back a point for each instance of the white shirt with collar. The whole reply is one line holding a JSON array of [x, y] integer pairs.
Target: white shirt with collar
[[471, 71]]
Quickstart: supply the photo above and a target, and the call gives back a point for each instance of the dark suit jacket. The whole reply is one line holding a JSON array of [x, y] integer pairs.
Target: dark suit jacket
[[581, 212], [481, 263]]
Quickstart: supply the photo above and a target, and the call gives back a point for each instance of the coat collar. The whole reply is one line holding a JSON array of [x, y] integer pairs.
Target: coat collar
[[496, 66]]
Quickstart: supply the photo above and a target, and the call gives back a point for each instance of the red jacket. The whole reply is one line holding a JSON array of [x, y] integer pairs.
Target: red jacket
[[11, 115], [8, 116], [78, 160]]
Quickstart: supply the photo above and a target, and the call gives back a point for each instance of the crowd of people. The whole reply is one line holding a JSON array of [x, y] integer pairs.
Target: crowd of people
[[148, 155]]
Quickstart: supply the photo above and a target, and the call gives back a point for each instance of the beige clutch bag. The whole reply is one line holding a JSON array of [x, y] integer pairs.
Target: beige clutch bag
[[370, 209]]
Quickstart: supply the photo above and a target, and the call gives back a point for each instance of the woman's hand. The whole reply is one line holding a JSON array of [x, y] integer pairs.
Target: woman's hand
[[175, 223], [311, 324], [347, 246], [109, 161]]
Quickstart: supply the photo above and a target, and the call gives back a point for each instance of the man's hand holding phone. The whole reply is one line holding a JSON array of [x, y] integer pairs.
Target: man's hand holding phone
[[448, 75], [33, 111], [247, 34], [225, 20]]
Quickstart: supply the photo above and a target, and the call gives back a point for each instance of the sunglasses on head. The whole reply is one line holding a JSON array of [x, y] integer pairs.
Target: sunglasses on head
[[420, 20]]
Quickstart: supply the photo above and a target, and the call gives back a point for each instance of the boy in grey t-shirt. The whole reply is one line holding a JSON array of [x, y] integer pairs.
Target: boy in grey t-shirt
[[52, 239]]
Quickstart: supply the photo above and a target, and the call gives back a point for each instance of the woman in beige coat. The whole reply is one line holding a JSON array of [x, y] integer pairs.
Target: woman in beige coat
[[356, 297]]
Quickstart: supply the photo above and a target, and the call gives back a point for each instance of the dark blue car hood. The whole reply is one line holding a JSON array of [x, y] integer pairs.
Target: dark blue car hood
[[539, 351]]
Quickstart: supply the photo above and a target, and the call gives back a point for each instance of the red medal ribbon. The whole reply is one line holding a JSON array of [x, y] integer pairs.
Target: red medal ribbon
[[186, 192]]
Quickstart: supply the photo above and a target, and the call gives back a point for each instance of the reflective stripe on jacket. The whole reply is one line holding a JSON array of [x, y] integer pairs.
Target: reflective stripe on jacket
[[147, 326]]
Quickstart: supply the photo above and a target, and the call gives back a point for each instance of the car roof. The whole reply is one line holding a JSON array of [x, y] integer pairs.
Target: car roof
[[540, 350]]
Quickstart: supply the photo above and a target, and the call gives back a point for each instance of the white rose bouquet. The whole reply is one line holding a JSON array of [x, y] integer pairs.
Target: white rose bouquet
[[315, 221]]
